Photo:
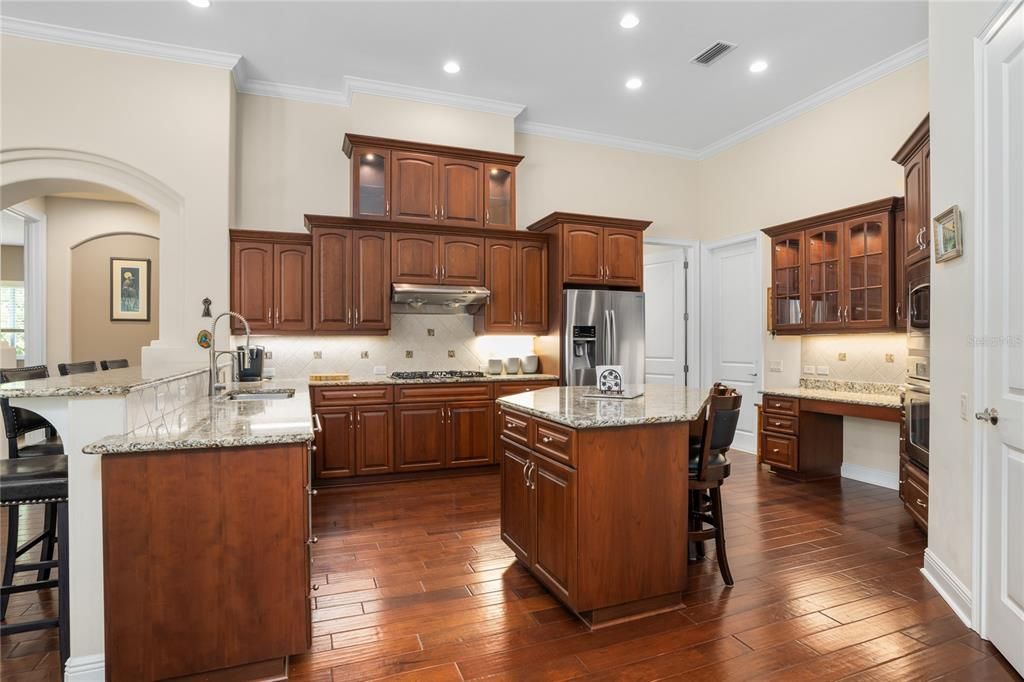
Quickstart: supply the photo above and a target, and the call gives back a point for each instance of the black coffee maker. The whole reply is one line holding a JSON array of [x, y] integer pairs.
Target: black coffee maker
[[250, 365]]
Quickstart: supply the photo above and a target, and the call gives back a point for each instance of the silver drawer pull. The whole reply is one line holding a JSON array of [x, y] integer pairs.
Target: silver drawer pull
[[778, 404], [775, 449], [316, 423], [921, 504], [547, 439], [313, 540], [777, 423]]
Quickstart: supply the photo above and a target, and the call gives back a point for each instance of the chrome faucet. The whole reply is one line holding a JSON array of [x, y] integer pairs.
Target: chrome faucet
[[215, 354]]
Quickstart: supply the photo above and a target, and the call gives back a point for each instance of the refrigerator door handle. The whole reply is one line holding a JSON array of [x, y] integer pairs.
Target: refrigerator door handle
[[613, 348], [608, 338]]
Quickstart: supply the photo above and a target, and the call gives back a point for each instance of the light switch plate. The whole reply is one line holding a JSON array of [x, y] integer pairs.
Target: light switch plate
[[380, 369], [823, 370], [775, 365], [808, 369]]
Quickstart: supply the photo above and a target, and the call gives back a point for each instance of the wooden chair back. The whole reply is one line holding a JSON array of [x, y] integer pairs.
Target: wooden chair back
[[719, 429], [84, 367]]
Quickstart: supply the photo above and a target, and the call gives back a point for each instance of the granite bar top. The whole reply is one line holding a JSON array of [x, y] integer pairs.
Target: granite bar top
[[487, 378], [110, 382], [221, 423], [831, 395], [568, 405]]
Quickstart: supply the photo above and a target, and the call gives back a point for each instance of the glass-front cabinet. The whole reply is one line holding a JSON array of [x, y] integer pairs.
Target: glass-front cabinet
[[371, 184], [787, 284], [824, 277], [500, 197], [867, 272]]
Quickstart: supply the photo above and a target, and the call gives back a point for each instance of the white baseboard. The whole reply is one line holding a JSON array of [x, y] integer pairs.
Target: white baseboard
[[85, 669], [948, 586], [877, 477]]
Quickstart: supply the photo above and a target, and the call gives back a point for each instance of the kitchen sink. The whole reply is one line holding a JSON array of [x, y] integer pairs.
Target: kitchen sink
[[268, 394]]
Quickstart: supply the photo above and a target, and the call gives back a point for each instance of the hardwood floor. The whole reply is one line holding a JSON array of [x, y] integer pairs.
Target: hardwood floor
[[414, 584]]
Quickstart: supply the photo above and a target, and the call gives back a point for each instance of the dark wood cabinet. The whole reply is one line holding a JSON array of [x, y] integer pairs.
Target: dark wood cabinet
[[595, 251], [334, 456], [461, 260], [582, 261], [835, 272], [915, 157], [374, 444], [622, 255], [428, 184], [901, 293], [272, 281], [332, 279], [371, 281], [554, 518], [420, 436], [516, 501], [420, 258], [470, 439], [352, 280], [517, 277]]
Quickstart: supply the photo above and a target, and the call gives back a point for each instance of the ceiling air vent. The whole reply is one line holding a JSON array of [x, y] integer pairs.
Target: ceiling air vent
[[713, 53]]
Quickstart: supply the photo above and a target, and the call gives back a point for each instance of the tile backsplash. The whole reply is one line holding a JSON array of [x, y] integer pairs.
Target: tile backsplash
[[416, 342], [866, 357]]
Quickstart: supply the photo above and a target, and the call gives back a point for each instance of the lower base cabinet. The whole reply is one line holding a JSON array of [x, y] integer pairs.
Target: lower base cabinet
[[375, 453], [470, 435], [419, 437]]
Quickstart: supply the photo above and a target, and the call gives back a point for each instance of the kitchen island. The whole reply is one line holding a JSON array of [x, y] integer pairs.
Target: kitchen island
[[594, 497]]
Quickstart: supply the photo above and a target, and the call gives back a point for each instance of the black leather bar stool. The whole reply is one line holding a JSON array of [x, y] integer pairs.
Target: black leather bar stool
[[36, 480], [709, 468], [113, 364], [84, 367]]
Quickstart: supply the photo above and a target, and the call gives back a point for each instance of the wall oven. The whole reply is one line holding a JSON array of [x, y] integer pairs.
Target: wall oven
[[916, 404]]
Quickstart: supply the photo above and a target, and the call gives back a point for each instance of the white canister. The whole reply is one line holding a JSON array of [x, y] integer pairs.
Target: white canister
[[530, 364], [512, 365], [494, 366]]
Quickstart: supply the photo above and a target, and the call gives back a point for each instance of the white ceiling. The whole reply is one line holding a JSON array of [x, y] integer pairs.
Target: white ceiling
[[567, 62]]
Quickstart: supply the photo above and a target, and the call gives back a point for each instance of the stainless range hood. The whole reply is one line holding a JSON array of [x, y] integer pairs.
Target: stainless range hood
[[436, 299]]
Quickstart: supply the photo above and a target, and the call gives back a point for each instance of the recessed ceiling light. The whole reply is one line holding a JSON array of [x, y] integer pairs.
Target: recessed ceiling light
[[452, 67], [634, 83], [199, 3], [629, 20], [758, 66]]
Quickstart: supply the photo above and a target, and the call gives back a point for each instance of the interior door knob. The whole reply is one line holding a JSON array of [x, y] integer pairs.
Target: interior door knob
[[990, 415]]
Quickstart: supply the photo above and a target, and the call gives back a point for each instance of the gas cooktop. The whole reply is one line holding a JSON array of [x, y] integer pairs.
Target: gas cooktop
[[439, 374]]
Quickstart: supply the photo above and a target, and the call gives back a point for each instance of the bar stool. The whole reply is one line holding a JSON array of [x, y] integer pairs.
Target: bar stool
[[709, 468], [113, 364], [84, 367], [36, 480]]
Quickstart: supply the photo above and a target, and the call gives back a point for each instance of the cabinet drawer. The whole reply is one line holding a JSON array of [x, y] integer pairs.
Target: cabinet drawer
[[781, 405], [555, 441], [780, 424], [516, 427], [779, 451], [354, 395], [504, 388], [433, 393], [915, 499]]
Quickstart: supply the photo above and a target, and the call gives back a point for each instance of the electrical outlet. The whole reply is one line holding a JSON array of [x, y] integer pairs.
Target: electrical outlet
[[408, 353], [808, 369], [380, 369], [963, 406], [364, 355], [318, 355], [841, 357], [775, 365], [451, 353], [823, 370], [889, 357]]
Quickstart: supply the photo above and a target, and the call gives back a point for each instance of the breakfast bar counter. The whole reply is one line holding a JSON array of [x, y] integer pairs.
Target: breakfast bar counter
[[594, 495]]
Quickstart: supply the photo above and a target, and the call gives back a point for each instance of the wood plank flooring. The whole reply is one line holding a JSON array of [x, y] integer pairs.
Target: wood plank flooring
[[414, 584]]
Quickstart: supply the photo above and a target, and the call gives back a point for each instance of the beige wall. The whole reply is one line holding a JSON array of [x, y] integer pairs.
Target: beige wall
[[952, 27], [12, 263], [94, 336], [70, 222]]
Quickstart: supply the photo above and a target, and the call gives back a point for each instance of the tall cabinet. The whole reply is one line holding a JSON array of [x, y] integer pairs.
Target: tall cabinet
[[915, 240]]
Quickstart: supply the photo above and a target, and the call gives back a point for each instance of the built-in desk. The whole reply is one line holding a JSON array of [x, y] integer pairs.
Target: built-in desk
[[801, 429]]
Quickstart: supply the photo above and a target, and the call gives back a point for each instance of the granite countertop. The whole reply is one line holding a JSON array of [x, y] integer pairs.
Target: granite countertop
[[110, 382], [851, 392], [661, 403], [487, 378], [216, 422]]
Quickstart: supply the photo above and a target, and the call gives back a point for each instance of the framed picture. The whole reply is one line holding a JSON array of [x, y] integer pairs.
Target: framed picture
[[129, 289], [948, 235]]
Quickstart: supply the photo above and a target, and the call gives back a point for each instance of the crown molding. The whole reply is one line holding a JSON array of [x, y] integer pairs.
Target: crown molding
[[366, 86], [883, 68], [588, 137], [298, 93], [23, 28]]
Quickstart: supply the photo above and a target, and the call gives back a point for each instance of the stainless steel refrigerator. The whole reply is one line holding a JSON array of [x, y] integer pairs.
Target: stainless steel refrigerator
[[602, 328]]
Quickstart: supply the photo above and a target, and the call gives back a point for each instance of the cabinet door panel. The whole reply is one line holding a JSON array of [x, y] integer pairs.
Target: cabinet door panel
[[916, 232], [293, 287], [335, 444], [462, 261], [420, 438], [371, 183], [374, 440], [371, 280], [554, 550], [332, 279], [823, 263], [462, 200], [470, 438], [623, 257], [867, 274], [900, 292], [500, 197], [516, 501], [414, 180], [415, 258], [500, 312], [787, 281], [582, 259], [252, 284], [532, 299]]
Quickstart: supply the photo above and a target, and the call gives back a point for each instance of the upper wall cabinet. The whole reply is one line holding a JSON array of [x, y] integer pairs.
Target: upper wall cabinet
[[914, 239], [834, 272], [424, 258], [595, 251], [351, 280], [426, 184], [271, 280]]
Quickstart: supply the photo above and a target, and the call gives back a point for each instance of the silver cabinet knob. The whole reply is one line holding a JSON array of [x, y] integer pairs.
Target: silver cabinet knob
[[547, 439], [313, 540]]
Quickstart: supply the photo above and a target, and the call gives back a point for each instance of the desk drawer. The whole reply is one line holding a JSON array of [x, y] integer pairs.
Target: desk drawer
[[351, 395], [516, 427], [780, 424], [556, 441], [781, 405], [915, 499], [432, 393], [779, 451]]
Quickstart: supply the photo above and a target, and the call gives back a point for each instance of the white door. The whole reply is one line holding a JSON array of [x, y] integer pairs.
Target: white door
[[1002, 151], [731, 320], [665, 294]]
